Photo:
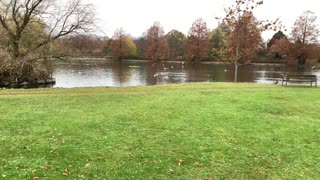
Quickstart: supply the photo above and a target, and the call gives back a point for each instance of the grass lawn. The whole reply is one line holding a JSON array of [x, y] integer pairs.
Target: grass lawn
[[191, 131]]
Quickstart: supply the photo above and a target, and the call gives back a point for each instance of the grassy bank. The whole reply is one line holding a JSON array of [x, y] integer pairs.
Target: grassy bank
[[192, 131]]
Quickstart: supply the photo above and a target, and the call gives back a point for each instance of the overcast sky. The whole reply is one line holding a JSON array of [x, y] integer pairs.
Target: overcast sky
[[136, 16]]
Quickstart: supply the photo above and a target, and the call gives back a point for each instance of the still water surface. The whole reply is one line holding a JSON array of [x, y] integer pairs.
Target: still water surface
[[92, 73]]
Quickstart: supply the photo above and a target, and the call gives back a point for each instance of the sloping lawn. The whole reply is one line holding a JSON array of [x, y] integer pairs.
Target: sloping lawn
[[190, 131]]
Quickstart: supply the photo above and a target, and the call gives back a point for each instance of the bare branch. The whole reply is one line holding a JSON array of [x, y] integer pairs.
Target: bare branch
[[61, 18]]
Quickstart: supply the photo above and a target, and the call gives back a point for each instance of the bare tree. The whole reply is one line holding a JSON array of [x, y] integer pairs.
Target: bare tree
[[60, 18], [30, 26], [305, 28]]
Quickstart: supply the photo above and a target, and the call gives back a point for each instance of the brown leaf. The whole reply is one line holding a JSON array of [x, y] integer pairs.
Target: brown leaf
[[45, 167], [100, 158], [87, 165]]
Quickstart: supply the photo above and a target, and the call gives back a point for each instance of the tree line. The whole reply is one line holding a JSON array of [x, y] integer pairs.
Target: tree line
[[239, 41]]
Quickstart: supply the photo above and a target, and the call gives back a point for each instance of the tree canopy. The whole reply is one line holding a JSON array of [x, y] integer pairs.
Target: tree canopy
[[176, 42], [197, 41], [218, 43], [277, 36], [305, 28], [157, 48]]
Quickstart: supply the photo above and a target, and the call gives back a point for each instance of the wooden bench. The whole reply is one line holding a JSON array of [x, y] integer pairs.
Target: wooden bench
[[299, 78]]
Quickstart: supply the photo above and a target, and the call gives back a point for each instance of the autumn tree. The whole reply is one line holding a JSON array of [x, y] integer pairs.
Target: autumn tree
[[278, 41], [106, 49], [280, 47], [245, 36], [176, 42], [305, 34], [305, 28], [217, 43], [132, 48], [197, 41], [303, 42], [224, 28], [79, 45], [119, 46], [157, 45], [277, 36], [245, 41], [141, 46], [295, 52]]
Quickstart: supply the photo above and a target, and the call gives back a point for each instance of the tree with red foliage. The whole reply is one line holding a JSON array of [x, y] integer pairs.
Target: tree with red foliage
[[277, 36], [278, 41], [157, 48], [245, 38], [305, 34], [197, 45], [119, 46], [304, 38]]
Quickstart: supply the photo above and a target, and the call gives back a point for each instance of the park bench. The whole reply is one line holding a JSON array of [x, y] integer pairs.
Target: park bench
[[299, 78]]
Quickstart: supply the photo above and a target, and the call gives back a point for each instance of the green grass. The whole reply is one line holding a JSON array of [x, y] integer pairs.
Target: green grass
[[191, 131]]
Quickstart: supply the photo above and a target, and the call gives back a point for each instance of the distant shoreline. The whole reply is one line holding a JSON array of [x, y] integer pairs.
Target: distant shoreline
[[172, 61]]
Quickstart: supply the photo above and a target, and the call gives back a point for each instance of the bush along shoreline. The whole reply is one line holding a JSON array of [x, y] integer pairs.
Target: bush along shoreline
[[28, 84]]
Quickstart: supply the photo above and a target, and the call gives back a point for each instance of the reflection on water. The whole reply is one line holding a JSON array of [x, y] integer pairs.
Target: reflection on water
[[126, 73]]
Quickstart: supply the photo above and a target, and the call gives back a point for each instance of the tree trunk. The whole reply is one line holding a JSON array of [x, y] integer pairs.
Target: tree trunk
[[16, 50], [236, 62], [235, 72]]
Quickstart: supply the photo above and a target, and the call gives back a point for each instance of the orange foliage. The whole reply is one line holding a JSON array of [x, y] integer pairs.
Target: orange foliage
[[197, 45], [246, 38], [295, 53], [119, 46], [157, 48]]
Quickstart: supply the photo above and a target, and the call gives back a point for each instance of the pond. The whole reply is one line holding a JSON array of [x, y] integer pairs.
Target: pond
[[92, 73]]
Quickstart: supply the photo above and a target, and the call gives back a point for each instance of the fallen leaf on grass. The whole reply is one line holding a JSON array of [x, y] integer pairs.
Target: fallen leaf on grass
[[66, 172], [87, 165], [256, 170], [100, 158], [45, 167], [207, 178], [200, 165]]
